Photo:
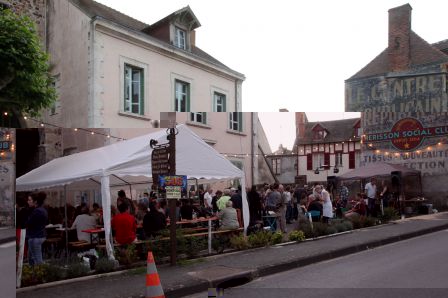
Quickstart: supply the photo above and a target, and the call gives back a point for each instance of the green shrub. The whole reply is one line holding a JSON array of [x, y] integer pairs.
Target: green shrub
[[340, 227], [357, 222], [276, 238], [239, 242], [320, 229], [369, 221], [260, 239], [296, 236], [330, 230], [307, 230], [390, 213], [77, 270], [194, 245], [348, 225], [104, 265]]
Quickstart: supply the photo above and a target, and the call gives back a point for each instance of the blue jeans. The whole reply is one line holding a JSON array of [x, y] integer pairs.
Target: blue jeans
[[35, 251]]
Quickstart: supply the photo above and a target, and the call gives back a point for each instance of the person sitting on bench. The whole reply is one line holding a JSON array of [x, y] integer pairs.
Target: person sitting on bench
[[228, 217]]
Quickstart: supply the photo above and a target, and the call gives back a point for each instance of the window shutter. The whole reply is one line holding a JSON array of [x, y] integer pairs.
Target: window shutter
[[327, 160], [188, 98], [309, 162], [142, 93], [240, 121], [351, 160], [224, 104], [204, 118]]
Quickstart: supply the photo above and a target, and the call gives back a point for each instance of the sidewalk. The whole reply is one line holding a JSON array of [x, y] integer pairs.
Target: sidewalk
[[7, 235], [179, 281]]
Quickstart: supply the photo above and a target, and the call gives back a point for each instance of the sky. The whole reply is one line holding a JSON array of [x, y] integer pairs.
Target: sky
[[295, 54]]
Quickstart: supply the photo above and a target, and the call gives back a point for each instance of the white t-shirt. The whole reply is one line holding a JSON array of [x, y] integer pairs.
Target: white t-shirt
[[84, 222], [370, 190], [208, 199], [327, 207]]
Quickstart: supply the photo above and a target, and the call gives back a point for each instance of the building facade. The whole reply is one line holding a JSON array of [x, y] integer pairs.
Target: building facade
[[403, 94], [111, 70], [322, 151], [326, 149]]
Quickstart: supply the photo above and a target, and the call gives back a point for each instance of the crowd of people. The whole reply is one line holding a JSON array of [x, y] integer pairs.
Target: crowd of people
[[147, 217]]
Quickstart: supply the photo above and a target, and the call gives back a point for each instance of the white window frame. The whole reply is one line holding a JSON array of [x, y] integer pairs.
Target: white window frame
[[181, 93], [198, 117], [128, 104], [180, 38], [223, 106], [338, 159], [277, 165], [137, 64], [238, 121], [318, 160]]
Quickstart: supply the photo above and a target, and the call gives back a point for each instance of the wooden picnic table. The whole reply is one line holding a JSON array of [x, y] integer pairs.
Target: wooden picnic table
[[94, 234]]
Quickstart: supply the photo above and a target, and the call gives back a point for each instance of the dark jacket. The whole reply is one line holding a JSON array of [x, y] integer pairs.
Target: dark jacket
[[153, 222], [237, 201], [35, 226]]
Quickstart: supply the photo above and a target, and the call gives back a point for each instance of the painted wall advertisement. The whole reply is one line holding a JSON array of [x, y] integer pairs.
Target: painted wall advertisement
[[423, 90], [417, 143]]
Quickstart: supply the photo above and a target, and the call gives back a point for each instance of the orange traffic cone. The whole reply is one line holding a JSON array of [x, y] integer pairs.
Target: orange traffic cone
[[153, 287]]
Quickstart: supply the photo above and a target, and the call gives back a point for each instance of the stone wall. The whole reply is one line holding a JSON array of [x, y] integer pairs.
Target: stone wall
[[35, 9], [7, 178]]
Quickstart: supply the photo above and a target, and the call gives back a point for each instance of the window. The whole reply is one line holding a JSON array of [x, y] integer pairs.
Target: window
[[133, 90], [319, 134], [182, 100], [318, 160], [219, 102], [180, 38], [199, 117], [338, 159], [236, 121], [276, 166], [351, 160]]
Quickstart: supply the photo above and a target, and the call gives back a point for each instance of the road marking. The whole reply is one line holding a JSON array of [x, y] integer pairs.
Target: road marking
[[9, 244]]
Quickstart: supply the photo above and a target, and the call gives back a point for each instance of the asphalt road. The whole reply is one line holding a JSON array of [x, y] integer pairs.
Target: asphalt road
[[7, 270], [413, 268]]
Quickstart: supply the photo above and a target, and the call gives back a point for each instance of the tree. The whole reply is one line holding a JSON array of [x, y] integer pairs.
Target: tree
[[25, 82]]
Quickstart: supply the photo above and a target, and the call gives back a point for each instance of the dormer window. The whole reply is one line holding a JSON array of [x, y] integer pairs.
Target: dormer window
[[319, 133], [180, 39]]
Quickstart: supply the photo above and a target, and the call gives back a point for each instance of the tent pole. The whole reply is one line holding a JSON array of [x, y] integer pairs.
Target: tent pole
[[66, 224]]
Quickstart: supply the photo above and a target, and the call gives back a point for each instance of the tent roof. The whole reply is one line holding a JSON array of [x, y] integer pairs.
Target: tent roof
[[377, 169], [131, 159]]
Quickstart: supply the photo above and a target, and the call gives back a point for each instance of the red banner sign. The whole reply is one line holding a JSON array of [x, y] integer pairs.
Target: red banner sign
[[407, 134]]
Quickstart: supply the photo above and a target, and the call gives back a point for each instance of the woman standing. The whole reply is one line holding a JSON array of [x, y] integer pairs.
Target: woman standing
[[36, 229]]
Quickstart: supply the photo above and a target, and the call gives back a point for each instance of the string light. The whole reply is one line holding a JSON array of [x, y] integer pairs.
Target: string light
[[75, 129], [5, 113]]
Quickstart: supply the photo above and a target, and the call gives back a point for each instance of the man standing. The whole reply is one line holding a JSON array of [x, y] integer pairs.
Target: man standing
[[208, 199], [370, 191], [282, 208], [344, 194]]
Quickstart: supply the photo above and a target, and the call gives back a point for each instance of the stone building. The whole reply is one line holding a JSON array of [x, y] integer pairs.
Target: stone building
[[403, 94], [7, 176]]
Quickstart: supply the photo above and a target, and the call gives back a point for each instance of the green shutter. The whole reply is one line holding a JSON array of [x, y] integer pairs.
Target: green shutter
[[240, 121], [204, 117], [224, 105], [142, 92], [188, 97]]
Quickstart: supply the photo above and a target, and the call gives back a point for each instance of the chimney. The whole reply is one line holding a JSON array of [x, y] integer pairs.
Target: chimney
[[301, 120], [399, 51]]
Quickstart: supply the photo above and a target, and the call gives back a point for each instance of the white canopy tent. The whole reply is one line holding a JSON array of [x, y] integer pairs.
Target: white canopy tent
[[130, 161]]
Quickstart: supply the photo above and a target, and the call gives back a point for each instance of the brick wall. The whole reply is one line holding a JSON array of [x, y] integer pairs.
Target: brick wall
[[35, 9]]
